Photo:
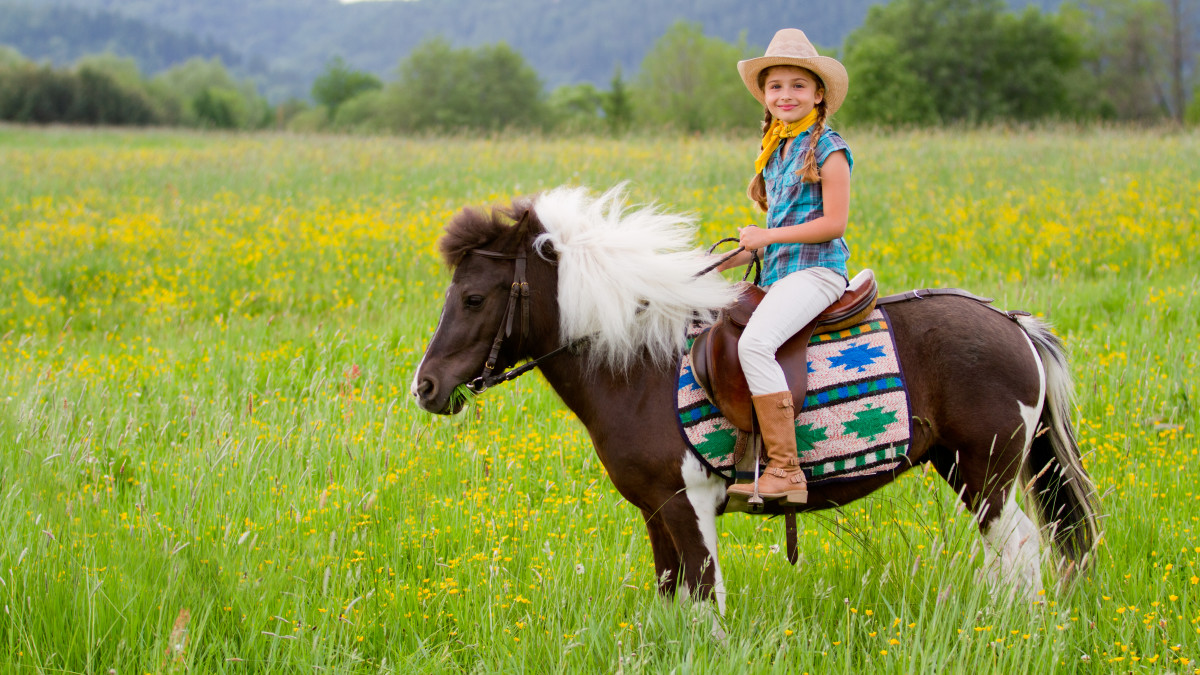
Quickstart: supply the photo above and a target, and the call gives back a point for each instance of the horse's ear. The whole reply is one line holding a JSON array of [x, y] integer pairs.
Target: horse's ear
[[523, 222], [528, 228], [523, 229]]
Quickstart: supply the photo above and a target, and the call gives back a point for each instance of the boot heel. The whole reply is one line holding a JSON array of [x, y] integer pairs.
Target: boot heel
[[797, 497]]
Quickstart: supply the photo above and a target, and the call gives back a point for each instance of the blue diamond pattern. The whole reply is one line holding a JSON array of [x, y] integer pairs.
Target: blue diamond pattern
[[857, 357]]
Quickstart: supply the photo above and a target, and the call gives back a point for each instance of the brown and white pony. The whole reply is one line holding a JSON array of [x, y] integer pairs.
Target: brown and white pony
[[600, 296]]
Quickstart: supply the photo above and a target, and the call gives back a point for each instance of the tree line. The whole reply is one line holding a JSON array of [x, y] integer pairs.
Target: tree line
[[569, 42], [912, 62], [108, 90]]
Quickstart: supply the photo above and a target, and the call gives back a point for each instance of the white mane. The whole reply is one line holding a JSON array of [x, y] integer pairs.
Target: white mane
[[626, 279]]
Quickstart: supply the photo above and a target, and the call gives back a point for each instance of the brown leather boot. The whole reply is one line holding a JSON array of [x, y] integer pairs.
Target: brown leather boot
[[783, 477]]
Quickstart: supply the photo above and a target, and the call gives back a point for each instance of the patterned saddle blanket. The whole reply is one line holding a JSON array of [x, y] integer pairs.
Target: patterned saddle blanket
[[854, 422]]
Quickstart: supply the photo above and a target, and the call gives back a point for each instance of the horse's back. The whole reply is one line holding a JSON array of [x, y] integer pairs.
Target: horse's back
[[965, 363]]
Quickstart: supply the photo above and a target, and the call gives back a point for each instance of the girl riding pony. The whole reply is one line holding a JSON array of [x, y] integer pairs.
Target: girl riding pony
[[802, 183]]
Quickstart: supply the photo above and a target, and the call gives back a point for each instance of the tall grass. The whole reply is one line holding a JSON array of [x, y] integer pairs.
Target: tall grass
[[209, 461]]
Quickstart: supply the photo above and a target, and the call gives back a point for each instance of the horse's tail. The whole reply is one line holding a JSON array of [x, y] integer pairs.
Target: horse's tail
[[1065, 495]]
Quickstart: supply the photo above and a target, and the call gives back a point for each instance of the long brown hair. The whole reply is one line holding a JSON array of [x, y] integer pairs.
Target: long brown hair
[[809, 172]]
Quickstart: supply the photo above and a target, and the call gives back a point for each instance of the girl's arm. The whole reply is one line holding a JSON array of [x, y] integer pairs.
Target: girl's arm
[[835, 195]]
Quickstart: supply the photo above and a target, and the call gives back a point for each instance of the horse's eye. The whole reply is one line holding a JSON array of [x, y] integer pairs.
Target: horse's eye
[[473, 301]]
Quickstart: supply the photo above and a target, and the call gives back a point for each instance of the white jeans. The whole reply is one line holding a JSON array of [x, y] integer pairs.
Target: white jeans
[[790, 304]]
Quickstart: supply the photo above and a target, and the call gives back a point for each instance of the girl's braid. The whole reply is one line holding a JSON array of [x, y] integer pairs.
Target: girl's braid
[[757, 189], [810, 173], [768, 119]]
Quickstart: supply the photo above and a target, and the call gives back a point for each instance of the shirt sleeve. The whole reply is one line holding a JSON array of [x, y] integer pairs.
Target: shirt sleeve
[[831, 141]]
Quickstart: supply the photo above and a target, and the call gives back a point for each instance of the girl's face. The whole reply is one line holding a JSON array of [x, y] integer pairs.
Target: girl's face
[[791, 92]]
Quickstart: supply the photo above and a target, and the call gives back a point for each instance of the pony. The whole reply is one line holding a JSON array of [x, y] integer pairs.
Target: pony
[[599, 295]]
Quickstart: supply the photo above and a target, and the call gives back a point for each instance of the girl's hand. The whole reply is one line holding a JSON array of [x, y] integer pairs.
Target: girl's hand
[[753, 237]]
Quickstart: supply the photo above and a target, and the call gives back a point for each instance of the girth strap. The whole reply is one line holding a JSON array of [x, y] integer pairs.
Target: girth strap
[[789, 521]]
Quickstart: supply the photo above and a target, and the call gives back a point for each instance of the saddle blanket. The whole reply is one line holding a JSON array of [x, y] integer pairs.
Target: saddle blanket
[[854, 422]]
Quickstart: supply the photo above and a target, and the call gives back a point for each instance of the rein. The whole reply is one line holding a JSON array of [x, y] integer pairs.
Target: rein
[[755, 261], [518, 295]]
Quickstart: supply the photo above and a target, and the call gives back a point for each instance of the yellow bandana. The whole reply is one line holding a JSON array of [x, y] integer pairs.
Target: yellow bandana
[[780, 130]]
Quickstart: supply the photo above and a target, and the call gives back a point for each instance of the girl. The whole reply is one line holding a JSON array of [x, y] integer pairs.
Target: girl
[[802, 182]]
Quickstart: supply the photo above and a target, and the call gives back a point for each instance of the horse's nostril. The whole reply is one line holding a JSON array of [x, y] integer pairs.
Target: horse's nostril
[[426, 388]]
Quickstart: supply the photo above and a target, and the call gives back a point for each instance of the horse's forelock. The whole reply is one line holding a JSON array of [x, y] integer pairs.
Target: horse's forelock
[[469, 229], [474, 228]]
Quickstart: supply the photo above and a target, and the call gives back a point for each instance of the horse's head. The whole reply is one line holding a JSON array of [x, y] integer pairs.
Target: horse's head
[[488, 319], [625, 282]]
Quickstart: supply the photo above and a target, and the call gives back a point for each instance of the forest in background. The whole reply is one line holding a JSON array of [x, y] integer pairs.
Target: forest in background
[[912, 62], [284, 44]]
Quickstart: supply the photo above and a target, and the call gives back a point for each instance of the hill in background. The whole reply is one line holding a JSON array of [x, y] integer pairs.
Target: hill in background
[[284, 44]]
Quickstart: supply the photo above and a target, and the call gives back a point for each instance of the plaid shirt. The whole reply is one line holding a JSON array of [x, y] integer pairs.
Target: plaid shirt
[[792, 201]]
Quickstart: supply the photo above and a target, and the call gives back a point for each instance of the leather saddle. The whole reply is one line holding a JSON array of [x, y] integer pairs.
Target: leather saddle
[[718, 370]]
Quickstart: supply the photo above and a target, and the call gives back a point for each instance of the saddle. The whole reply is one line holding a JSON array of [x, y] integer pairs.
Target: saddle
[[718, 370]]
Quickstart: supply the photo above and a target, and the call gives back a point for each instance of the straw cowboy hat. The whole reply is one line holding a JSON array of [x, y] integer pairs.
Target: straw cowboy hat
[[790, 47]]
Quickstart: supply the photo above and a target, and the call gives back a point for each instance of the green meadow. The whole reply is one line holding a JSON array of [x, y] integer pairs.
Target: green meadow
[[210, 462]]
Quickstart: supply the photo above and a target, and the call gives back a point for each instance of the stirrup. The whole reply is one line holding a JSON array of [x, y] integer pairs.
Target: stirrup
[[755, 500]]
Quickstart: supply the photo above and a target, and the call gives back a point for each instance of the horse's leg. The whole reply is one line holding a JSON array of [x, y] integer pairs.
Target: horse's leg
[[666, 556], [688, 516], [705, 493], [1012, 556], [1011, 540], [984, 471], [681, 522]]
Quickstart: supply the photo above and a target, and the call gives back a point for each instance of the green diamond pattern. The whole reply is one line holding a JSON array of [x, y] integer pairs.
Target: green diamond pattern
[[808, 435], [869, 423]]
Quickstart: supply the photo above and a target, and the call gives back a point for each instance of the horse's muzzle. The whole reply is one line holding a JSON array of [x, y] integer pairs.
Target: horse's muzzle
[[431, 399]]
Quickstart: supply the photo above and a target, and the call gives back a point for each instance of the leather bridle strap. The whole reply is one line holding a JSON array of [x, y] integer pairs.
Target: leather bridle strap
[[518, 292], [483, 382]]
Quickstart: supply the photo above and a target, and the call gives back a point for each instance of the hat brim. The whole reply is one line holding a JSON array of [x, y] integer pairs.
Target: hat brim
[[830, 70]]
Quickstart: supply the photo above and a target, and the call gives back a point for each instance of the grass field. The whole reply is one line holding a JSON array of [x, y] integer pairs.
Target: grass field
[[209, 461]]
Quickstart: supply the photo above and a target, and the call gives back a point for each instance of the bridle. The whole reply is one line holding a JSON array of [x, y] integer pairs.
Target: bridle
[[518, 298]]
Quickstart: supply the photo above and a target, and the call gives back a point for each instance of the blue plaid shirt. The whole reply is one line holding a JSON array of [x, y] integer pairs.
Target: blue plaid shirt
[[791, 201]]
